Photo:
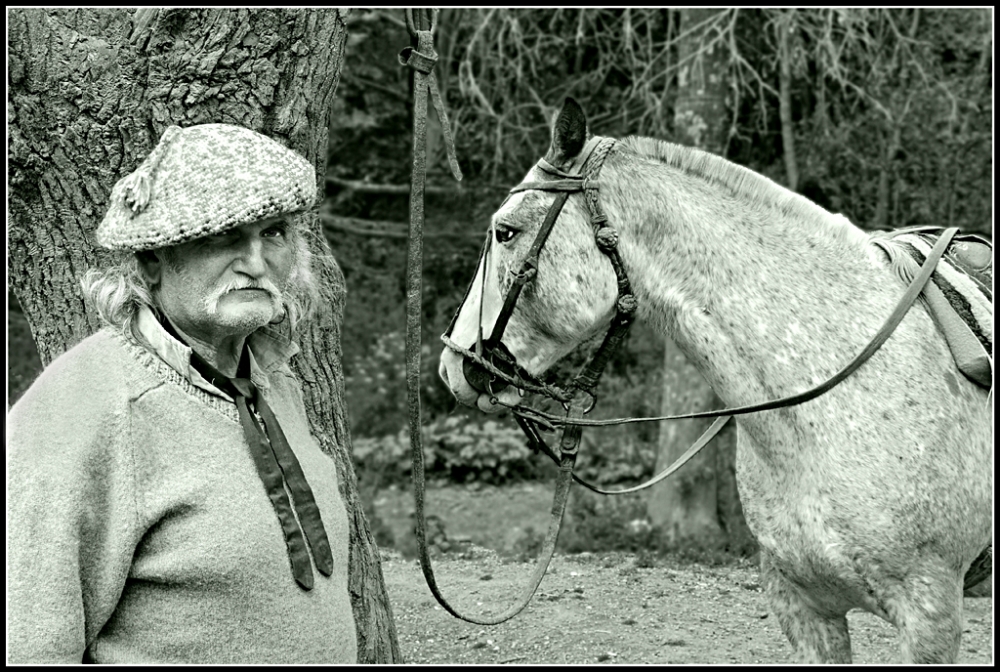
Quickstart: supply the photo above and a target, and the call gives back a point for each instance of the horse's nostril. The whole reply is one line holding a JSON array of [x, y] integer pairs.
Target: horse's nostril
[[479, 378], [497, 355]]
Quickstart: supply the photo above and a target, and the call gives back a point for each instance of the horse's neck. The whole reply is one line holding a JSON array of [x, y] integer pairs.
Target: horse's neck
[[758, 299]]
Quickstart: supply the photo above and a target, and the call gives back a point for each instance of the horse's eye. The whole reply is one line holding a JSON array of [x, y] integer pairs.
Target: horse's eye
[[504, 234]]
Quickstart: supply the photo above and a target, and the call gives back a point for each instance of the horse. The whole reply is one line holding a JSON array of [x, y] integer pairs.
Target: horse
[[878, 494]]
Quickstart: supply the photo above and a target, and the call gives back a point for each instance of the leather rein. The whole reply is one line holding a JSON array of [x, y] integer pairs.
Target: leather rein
[[490, 367]]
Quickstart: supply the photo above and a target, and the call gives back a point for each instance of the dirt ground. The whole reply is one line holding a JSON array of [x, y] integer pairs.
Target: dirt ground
[[594, 608]]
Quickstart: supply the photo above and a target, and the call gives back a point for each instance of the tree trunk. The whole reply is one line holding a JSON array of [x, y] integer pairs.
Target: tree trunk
[[699, 506], [821, 119], [885, 179], [91, 91], [784, 27]]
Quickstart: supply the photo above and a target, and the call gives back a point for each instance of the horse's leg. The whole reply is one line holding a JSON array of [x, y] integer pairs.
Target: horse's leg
[[817, 636], [929, 617]]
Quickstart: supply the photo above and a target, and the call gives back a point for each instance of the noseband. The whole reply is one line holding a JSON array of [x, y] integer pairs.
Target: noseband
[[491, 367]]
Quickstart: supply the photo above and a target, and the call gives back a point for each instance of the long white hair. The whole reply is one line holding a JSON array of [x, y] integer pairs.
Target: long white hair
[[120, 290]]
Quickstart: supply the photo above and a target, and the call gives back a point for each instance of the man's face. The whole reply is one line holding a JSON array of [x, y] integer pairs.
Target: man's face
[[228, 284]]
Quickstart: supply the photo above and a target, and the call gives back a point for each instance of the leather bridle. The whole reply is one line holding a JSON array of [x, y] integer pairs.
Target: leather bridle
[[490, 367]]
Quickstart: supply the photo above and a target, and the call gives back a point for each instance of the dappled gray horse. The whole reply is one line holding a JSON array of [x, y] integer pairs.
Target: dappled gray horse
[[878, 494]]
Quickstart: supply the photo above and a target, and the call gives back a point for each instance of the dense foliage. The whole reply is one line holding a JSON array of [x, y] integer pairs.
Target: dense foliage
[[891, 121]]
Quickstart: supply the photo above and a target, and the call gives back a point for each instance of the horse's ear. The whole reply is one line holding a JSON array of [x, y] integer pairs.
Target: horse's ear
[[569, 133]]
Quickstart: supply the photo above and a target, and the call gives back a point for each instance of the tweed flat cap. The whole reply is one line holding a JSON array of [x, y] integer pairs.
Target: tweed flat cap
[[202, 180]]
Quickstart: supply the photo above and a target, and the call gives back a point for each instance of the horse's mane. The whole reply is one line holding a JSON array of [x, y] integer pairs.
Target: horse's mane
[[742, 181]]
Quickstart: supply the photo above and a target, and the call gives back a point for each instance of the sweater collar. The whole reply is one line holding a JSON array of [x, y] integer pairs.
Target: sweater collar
[[269, 351]]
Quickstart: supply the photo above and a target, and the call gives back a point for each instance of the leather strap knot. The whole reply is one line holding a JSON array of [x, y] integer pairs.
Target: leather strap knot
[[528, 274], [607, 237], [598, 219], [627, 304], [419, 61]]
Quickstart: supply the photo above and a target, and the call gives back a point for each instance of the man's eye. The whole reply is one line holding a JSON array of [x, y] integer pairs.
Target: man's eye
[[504, 234], [275, 231]]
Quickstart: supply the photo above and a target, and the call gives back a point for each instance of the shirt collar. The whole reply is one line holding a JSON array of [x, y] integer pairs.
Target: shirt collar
[[269, 350]]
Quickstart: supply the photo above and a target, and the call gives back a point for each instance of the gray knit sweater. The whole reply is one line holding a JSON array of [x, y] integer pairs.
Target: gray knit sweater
[[138, 530]]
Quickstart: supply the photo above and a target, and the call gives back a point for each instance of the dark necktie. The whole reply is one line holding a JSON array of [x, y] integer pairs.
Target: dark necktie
[[277, 467]]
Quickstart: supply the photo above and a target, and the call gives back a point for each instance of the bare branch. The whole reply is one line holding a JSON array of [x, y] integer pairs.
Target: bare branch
[[391, 18], [369, 188], [365, 83], [385, 229]]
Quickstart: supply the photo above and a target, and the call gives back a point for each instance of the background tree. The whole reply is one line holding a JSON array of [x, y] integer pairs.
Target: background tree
[[699, 506], [91, 91]]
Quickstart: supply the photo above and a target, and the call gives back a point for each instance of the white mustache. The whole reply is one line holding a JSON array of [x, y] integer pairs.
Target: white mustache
[[212, 301]]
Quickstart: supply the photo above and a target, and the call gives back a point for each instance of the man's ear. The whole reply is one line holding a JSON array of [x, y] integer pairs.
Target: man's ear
[[569, 134], [151, 265]]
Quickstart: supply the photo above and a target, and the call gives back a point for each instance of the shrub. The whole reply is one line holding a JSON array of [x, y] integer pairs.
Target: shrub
[[598, 523], [490, 452], [454, 449]]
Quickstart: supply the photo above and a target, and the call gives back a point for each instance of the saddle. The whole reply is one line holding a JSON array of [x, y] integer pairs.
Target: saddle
[[959, 296]]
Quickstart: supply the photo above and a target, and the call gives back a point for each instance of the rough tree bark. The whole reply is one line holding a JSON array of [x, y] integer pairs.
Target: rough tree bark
[[699, 506], [90, 92]]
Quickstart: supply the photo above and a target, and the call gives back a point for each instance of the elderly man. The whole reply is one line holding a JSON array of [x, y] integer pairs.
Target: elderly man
[[166, 501]]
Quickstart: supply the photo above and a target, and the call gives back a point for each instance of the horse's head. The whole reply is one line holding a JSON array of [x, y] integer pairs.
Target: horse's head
[[568, 298]]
